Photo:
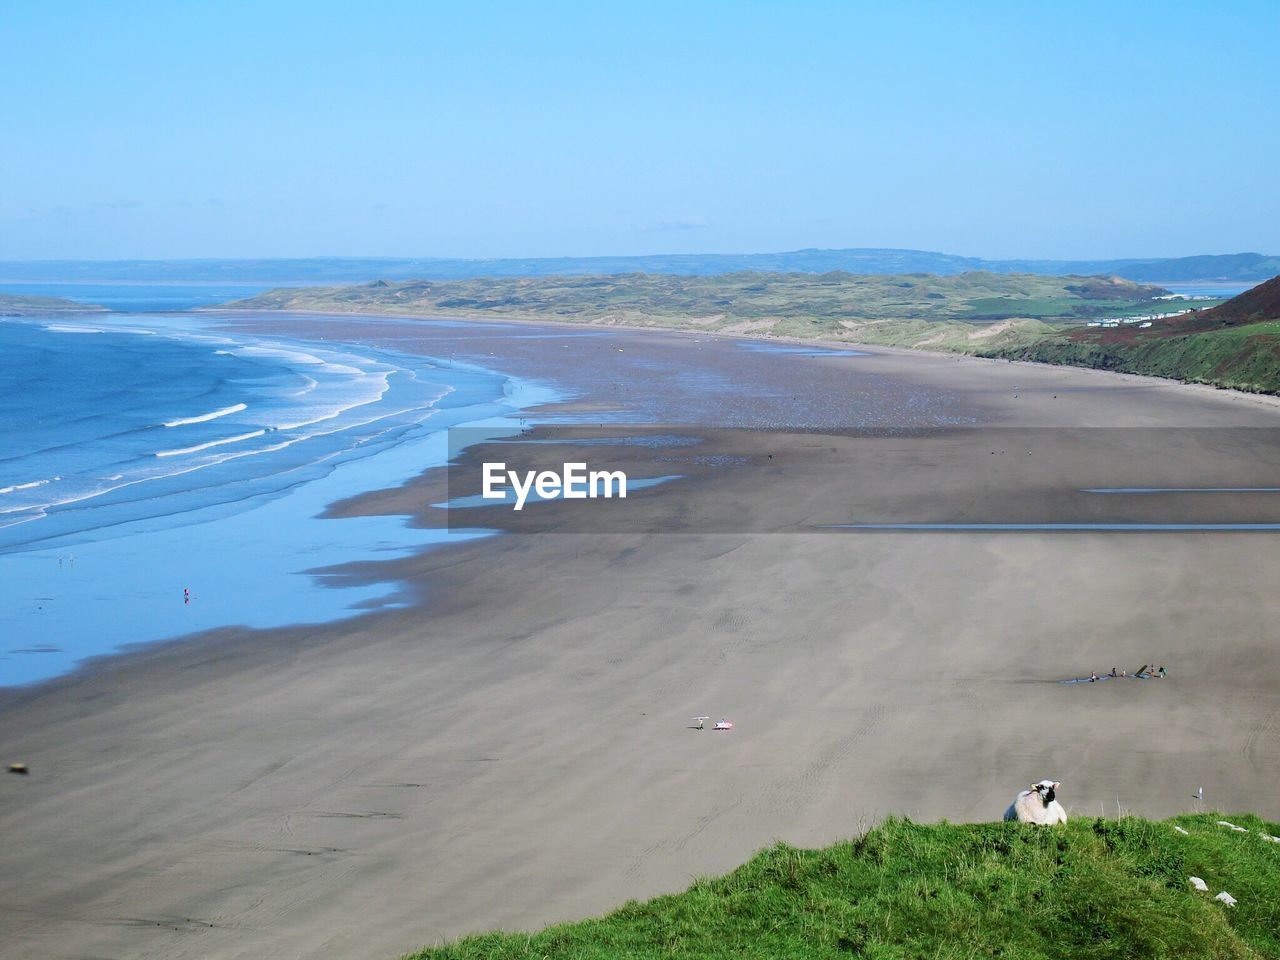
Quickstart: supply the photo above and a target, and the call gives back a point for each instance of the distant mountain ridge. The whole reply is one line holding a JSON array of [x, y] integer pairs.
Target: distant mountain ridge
[[1236, 267]]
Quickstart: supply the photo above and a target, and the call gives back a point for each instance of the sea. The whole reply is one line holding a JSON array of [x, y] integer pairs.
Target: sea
[[1224, 289], [160, 476], [141, 297]]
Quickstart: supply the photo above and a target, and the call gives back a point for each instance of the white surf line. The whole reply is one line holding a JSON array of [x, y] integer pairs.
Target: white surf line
[[205, 417], [27, 486], [212, 443], [307, 423]]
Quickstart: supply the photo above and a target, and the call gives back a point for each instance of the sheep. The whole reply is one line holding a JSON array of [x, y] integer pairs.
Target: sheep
[[1038, 805]]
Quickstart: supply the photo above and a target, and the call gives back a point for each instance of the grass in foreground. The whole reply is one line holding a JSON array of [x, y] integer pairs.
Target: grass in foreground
[[1094, 888]]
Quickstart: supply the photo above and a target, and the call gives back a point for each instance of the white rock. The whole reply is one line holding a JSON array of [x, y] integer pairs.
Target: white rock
[[1267, 836], [1223, 823], [1181, 831], [1199, 884], [1226, 898]]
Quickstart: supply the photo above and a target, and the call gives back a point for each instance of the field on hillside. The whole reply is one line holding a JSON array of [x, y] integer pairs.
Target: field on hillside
[[1235, 345], [1095, 888], [1021, 317], [1239, 358], [902, 310]]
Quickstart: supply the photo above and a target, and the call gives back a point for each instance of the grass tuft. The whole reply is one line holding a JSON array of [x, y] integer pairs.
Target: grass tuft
[[1097, 889]]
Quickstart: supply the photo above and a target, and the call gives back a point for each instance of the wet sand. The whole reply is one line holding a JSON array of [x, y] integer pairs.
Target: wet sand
[[515, 749]]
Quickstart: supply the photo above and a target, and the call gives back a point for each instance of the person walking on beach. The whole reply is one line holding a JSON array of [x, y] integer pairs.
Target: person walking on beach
[[186, 595]]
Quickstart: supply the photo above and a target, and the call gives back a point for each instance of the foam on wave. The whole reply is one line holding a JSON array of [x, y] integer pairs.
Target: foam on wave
[[205, 417]]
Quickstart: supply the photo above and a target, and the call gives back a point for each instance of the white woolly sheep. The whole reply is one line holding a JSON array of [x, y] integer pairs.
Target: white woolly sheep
[[1038, 805]]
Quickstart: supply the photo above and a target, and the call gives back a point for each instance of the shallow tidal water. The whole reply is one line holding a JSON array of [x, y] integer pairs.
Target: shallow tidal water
[[159, 477]]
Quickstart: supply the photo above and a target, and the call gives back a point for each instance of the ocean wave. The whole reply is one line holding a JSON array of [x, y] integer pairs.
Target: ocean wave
[[12, 520], [21, 513], [326, 406], [212, 443], [67, 328], [317, 408], [331, 398], [204, 417], [311, 385], [278, 353], [330, 362], [344, 369], [27, 486], [306, 423]]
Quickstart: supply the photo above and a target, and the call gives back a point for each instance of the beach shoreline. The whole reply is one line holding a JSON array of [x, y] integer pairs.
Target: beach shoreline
[[513, 747], [155, 504], [819, 342]]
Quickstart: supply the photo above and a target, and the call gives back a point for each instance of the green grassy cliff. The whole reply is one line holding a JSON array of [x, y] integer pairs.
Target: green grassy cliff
[[1094, 888], [1235, 345]]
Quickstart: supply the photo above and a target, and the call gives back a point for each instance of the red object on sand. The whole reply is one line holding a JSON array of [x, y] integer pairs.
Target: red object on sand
[[723, 725]]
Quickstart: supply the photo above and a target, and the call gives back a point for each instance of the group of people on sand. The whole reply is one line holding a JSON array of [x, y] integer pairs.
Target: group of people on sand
[[1145, 672]]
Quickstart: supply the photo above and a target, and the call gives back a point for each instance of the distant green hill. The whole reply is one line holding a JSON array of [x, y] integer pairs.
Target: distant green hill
[[912, 309], [1235, 345], [1012, 316], [1094, 888], [1238, 267], [21, 306]]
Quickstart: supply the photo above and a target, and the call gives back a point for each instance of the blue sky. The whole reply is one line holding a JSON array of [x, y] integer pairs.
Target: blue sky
[[541, 129]]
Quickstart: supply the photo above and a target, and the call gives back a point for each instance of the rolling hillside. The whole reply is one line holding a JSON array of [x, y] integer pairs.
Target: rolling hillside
[[1096, 889], [912, 309], [1235, 345]]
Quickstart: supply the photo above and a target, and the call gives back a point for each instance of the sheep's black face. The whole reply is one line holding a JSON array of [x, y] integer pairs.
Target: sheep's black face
[[1047, 791]]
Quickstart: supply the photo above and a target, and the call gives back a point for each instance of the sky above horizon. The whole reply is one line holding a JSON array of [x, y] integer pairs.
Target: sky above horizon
[[1002, 130]]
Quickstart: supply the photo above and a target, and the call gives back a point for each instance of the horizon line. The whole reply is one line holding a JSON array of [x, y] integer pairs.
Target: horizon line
[[628, 256]]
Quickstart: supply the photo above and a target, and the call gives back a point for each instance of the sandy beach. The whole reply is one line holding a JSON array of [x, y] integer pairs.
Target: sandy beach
[[514, 748]]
